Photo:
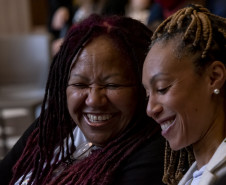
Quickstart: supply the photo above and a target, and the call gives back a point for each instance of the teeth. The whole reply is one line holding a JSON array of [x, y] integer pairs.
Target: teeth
[[94, 118], [166, 125]]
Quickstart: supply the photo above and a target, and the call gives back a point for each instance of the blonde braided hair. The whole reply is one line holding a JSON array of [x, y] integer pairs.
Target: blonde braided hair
[[201, 32], [201, 23]]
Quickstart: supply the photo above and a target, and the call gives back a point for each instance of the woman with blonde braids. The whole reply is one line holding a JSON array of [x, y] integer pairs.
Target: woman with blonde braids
[[184, 76]]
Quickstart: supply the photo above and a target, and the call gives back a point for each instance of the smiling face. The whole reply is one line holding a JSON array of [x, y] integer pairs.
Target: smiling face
[[179, 98], [102, 93]]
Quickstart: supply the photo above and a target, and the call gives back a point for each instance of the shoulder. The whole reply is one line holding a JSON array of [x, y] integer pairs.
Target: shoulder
[[218, 160], [217, 164], [145, 165], [14, 154], [153, 148]]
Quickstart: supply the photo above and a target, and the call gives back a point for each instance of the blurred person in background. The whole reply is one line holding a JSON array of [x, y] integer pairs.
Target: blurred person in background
[[139, 10], [64, 13], [162, 9]]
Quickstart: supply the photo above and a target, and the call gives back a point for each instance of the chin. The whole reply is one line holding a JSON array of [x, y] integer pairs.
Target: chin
[[176, 146]]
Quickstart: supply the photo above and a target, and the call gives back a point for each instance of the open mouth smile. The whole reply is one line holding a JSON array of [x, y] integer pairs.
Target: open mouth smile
[[98, 118], [166, 125]]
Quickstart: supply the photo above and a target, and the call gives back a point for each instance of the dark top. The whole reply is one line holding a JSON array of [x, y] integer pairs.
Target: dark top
[[144, 167], [53, 5], [13, 155]]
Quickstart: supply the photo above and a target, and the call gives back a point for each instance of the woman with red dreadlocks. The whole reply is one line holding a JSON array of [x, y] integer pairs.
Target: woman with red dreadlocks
[[94, 129]]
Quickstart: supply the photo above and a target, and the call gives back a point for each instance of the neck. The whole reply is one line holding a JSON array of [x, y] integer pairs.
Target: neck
[[207, 145], [203, 151]]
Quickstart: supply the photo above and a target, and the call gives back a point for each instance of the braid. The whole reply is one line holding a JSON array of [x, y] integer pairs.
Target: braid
[[176, 164], [55, 126], [109, 159], [195, 20], [201, 32]]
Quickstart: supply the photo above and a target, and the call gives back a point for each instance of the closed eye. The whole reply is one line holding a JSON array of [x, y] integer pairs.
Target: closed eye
[[112, 86], [79, 85], [117, 86], [163, 90]]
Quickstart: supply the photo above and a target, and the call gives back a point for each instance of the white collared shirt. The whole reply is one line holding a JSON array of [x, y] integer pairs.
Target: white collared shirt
[[79, 139]]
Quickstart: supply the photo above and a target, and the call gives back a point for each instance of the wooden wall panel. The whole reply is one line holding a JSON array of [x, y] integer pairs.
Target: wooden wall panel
[[15, 16]]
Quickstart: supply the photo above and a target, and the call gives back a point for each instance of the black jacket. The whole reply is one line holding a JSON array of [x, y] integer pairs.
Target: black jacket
[[144, 167]]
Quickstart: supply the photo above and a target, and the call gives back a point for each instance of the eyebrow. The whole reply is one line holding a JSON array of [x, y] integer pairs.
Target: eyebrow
[[77, 75], [156, 77], [105, 78]]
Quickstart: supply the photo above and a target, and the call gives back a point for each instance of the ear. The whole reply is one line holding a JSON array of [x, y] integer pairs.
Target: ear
[[217, 75]]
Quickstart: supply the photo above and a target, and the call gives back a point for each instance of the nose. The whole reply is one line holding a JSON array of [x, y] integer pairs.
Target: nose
[[96, 97], [154, 108]]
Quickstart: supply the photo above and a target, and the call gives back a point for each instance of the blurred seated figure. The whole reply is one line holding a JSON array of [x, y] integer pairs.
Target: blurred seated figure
[[60, 16], [64, 13], [139, 10], [162, 9]]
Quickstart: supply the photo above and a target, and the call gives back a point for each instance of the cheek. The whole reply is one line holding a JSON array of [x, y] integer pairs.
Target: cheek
[[184, 105], [74, 101], [125, 101]]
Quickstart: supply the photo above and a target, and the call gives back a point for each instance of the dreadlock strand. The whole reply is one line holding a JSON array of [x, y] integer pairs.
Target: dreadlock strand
[[181, 164], [205, 25], [198, 29], [35, 164], [113, 159], [188, 10], [207, 32], [103, 166], [167, 154], [174, 20], [173, 169], [127, 149], [191, 157], [223, 31], [157, 33], [190, 27], [173, 165], [210, 38], [180, 20], [25, 161]]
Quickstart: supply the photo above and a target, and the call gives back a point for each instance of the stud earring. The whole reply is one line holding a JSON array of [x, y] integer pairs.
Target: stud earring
[[216, 91]]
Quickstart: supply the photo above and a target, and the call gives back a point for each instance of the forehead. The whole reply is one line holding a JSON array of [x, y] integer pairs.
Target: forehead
[[101, 46], [162, 55], [101, 54], [162, 59]]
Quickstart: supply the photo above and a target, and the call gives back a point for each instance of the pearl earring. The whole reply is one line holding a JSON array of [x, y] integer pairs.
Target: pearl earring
[[216, 91]]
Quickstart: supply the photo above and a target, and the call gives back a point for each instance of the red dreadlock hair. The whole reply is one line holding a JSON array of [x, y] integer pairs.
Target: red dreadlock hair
[[56, 125]]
